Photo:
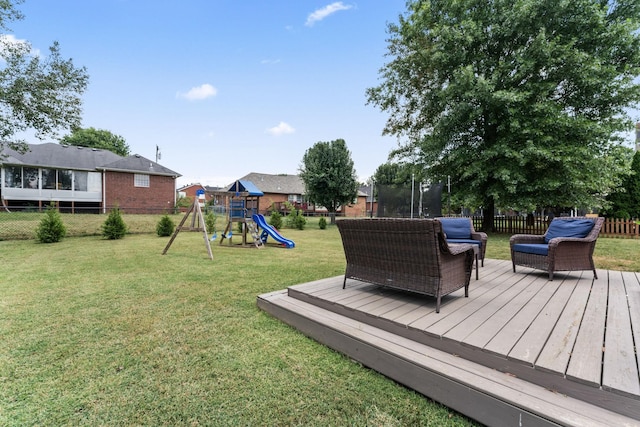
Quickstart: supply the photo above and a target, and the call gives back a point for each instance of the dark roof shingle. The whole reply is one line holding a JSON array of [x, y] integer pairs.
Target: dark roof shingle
[[52, 155]]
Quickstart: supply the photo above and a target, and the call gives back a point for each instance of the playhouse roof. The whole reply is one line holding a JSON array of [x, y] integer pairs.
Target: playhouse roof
[[242, 186]]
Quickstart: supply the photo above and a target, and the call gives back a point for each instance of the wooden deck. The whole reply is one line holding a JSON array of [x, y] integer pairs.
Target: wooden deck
[[520, 350]]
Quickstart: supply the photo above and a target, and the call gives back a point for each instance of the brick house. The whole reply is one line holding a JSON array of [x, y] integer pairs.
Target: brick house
[[81, 179], [279, 189], [192, 191]]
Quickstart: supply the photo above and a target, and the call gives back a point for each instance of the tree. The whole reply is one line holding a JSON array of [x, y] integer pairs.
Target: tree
[[522, 102], [328, 175], [394, 174], [114, 227], [97, 138], [37, 93], [51, 228], [625, 203], [633, 186], [165, 226]]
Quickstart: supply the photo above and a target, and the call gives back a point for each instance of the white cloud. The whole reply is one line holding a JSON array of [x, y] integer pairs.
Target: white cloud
[[270, 61], [282, 129], [199, 92], [330, 9]]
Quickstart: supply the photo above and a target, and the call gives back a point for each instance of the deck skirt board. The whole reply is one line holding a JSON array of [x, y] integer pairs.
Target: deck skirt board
[[550, 334]]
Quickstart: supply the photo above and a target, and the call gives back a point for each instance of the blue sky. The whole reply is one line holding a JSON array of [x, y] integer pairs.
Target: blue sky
[[225, 87]]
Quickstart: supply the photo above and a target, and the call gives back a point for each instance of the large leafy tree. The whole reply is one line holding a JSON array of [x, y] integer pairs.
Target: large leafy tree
[[521, 102], [393, 173], [39, 93], [329, 176], [97, 138], [625, 203]]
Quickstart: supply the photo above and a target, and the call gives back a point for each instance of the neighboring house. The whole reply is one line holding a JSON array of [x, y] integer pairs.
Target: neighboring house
[[81, 179], [279, 189], [193, 191], [204, 193], [371, 203]]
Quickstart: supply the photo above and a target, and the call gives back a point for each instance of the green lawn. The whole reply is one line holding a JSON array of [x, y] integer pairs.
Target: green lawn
[[99, 332]]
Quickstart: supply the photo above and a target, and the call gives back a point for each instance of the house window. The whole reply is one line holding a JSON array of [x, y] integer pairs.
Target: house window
[[13, 177], [49, 179], [80, 180], [94, 182], [65, 178], [295, 198], [30, 178], [140, 180]]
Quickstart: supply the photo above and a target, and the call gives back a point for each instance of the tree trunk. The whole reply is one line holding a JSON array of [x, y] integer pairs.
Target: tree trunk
[[488, 214], [332, 216]]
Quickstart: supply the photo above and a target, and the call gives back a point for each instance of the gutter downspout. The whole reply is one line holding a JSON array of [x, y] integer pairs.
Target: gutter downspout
[[104, 191]]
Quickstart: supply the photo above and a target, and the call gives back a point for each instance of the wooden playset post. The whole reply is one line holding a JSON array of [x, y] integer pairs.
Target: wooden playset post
[[197, 211]]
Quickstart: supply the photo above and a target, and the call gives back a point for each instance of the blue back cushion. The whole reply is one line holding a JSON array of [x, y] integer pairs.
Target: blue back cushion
[[456, 228], [568, 228]]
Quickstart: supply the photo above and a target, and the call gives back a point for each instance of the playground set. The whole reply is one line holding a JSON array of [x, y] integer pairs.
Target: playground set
[[242, 202]]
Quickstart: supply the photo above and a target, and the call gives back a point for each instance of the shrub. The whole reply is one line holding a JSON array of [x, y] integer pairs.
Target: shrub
[[51, 228], [275, 220], [165, 226], [114, 227], [295, 219], [210, 222], [322, 223]]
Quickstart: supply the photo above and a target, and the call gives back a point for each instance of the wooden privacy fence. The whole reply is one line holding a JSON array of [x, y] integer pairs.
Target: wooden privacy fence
[[620, 227], [538, 225]]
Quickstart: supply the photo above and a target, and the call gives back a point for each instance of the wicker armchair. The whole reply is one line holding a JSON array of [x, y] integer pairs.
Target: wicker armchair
[[567, 245], [460, 230], [406, 254]]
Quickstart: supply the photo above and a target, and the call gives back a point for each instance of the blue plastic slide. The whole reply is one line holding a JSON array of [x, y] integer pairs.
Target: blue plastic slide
[[262, 223]]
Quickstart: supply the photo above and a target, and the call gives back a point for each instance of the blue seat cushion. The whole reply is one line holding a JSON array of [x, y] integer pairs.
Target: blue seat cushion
[[456, 228], [532, 248], [568, 228], [473, 242]]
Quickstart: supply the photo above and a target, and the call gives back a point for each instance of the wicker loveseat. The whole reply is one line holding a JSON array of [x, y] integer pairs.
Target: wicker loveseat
[[406, 254], [460, 230], [567, 245]]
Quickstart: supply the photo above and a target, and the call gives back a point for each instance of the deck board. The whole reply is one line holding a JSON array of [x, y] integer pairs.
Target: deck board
[[557, 350], [586, 358], [460, 309], [489, 330], [632, 285], [486, 306], [532, 341], [506, 339], [547, 333], [620, 371]]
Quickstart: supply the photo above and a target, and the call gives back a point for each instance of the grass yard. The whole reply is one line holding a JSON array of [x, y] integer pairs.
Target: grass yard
[[100, 332]]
